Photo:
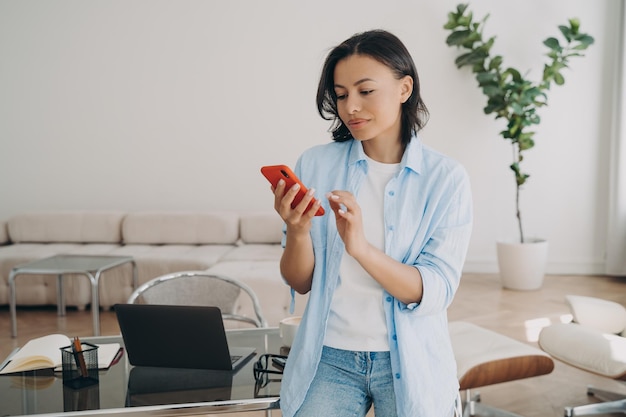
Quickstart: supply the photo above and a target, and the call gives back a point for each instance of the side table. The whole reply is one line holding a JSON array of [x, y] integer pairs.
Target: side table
[[92, 266]]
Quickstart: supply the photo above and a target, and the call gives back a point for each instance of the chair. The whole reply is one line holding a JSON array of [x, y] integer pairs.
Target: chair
[[198, 288], [485, 357], [594, 341]]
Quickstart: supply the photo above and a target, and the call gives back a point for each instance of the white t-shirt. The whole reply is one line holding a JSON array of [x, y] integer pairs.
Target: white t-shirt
[[357, 319]]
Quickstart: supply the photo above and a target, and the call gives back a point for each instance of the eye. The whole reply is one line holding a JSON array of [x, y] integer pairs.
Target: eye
[[341, 96], [366, 92]]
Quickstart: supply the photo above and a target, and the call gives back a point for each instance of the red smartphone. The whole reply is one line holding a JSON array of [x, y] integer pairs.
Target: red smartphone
[[274, 173]]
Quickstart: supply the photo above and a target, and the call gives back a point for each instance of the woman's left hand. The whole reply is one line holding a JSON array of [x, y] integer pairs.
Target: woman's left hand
[[349, 221]]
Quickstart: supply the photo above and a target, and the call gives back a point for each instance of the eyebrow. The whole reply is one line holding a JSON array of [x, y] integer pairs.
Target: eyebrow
[[361, 81]]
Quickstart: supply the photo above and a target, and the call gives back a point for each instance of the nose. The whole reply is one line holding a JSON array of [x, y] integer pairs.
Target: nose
[[353, 103]]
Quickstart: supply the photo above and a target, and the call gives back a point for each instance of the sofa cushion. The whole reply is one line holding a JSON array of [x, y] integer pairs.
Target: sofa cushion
[[586, 348], [603, 315], [261, 227], [206, 255], [254, 252], [66, 227], [180, 228]]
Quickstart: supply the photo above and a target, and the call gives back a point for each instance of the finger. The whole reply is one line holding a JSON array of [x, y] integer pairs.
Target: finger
[[333, 201], [279, 192], [310, 213], [342, 200], [289, 195], [284, 199], [306, 200]]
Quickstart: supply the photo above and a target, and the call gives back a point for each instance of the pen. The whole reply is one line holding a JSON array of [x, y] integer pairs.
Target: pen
[[79, 357]]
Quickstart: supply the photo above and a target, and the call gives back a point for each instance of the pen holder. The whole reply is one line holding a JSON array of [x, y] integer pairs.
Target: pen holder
[[80, 369]]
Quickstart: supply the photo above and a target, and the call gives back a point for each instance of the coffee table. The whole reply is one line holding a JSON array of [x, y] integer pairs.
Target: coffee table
[[122, 392], [92, 266]]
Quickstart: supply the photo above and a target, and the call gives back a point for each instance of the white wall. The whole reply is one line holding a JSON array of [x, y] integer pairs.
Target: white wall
[[174, 105]]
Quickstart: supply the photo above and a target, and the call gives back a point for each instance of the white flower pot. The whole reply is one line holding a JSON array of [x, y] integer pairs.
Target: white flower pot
[[522, 265]]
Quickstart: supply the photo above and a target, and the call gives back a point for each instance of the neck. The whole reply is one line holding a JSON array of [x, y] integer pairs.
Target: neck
[[385, 153]]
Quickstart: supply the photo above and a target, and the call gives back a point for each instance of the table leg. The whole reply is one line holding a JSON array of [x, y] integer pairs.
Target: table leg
[[135, 277], [95, 302], [60, 296], [12, 302]]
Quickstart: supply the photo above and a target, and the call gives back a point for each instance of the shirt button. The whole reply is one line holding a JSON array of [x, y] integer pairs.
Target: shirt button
[[398, 376], [395, 337], [391, 228], [389, 299], [392, 193]]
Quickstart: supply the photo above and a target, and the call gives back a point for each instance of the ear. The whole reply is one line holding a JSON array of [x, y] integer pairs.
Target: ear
[[406, 88]]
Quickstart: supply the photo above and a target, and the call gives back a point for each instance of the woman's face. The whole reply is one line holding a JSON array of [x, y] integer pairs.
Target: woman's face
[[370, 97]]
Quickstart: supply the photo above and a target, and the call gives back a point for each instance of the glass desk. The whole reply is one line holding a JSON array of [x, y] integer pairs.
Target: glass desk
[[136, 391], [92, 266]]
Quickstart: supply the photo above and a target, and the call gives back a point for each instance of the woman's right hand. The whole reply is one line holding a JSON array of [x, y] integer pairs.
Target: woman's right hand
[[298, 219]]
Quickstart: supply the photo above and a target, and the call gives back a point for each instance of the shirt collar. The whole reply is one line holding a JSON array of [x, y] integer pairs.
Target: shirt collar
[[412, 158]]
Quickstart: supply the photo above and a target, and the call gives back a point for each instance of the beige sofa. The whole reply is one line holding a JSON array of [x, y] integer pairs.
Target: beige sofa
[[241, 245]]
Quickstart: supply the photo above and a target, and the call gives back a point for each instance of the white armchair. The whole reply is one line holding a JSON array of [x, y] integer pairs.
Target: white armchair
[[594, 341]]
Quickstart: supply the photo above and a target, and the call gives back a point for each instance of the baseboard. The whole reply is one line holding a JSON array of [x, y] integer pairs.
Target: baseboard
[[552, 268]]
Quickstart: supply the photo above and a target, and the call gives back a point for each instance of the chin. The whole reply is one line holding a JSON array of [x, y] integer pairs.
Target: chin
[[360, 136]]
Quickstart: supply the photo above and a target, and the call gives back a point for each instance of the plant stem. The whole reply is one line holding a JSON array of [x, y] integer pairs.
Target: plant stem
[[519, 215], [517, 158]]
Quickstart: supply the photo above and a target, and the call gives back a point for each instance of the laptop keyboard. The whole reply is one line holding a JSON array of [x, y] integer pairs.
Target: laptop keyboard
[[234, 358]]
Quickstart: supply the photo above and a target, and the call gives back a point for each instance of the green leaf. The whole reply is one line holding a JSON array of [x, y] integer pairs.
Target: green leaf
[[517, 77], [553, 43], [465, 20], [558, 78], [574, 23], [452, 22], [492, 90], [493, 106], [567, 33], [517, 108], [585, 40], [471, 58], [521, 179], [525, 142], [495, 62], [486, 77], [471, 40], [458, 37], [535, 119]]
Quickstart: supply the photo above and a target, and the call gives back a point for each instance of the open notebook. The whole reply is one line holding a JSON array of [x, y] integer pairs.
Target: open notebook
[[178, 337], [45, 352]]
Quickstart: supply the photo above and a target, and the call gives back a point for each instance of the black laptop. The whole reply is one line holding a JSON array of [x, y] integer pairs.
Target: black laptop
[[173, 336]]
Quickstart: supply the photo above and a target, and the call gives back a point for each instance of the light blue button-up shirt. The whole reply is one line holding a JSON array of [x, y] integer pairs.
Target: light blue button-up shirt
[[428, 221]]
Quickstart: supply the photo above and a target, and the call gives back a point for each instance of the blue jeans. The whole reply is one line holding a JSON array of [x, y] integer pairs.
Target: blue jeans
[[348, 383]]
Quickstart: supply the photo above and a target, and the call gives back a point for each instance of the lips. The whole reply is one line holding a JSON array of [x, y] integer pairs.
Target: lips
[[357, 123]]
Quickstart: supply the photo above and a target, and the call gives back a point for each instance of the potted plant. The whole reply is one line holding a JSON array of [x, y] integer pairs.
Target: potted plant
[[514, 98]]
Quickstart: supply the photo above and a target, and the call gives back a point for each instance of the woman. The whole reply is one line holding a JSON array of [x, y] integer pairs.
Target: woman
[[384, 265]]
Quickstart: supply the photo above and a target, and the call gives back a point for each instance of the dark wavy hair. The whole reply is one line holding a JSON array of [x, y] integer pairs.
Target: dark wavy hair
[[387, 49]]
